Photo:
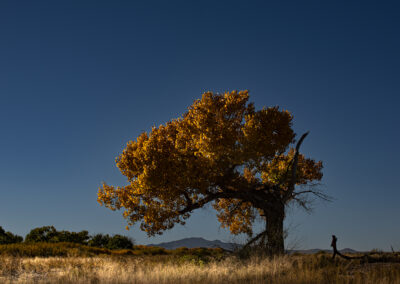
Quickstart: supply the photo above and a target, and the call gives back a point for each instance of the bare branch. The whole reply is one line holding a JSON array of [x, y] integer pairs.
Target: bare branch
[[263, 233], [295, 162], [317, 193], [293, 165], [303, 203]]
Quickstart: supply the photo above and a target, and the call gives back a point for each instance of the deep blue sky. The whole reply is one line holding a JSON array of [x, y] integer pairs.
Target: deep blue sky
[[78, 79]]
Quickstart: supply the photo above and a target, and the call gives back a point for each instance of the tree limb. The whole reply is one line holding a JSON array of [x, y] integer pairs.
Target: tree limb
[[295, 162], [210, 197], [317, 193], [192, 206], [254, 239]]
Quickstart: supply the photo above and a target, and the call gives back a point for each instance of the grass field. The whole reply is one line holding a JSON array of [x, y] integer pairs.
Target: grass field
[[190, 266]]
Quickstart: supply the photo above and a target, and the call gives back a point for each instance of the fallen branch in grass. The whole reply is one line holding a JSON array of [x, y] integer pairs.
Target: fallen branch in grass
[[366, 257]]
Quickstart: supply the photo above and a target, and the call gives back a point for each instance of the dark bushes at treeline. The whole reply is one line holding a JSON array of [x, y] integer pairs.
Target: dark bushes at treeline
[[49, 234], [8, 237], [44, 249]]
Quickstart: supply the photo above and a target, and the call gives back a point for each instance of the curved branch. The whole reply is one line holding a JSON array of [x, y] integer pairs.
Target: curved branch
[[192, 206], [210, 197], [317, 193], [303, 203], [263, 233], [295, 162]]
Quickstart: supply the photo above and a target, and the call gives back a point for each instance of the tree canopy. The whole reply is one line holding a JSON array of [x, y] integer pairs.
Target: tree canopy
[[8, 237], [221, 151]]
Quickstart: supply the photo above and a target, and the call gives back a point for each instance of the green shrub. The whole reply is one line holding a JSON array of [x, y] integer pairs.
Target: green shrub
[[99, 241], [71, 237], [119, 242], [51, 235], [42, 234], [8, 237]]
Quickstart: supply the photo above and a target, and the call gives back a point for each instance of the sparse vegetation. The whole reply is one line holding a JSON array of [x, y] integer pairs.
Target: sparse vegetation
[[44, 258], [78, 250], [192, 266]]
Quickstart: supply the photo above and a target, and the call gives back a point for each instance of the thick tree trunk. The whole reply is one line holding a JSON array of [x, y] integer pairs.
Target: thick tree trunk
[[274, 228]]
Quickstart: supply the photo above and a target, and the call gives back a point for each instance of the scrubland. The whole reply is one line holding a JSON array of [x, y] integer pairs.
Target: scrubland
[[63, 263]]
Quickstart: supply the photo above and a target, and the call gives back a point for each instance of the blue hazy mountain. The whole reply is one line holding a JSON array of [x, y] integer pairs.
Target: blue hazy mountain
[[203, 243], [196, 243]]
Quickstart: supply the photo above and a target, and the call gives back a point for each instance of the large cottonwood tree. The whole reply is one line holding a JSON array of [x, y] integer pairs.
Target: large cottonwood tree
[[221, 151]]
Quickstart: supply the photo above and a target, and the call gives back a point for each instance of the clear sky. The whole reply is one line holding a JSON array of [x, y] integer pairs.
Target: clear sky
[[79, 79]]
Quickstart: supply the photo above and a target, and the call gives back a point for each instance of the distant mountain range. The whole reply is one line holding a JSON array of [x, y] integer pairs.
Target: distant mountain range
[[196, 243], [203, 243]]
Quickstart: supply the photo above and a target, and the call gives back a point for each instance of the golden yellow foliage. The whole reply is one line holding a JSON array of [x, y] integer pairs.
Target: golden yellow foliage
[[221, 150]]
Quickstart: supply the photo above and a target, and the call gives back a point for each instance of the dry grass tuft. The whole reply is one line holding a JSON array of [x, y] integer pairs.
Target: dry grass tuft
[[190, 269]]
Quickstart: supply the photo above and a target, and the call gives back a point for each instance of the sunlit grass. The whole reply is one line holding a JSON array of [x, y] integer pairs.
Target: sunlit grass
[[192, 268]]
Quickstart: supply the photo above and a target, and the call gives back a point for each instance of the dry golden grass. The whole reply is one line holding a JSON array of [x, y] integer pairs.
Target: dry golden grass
[[192, 269]]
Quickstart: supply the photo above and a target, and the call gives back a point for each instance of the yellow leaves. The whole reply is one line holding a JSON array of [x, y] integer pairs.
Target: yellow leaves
[[184, 160], [249, 176], [267, 132], [236, 215], [212, 127], [276, 170]]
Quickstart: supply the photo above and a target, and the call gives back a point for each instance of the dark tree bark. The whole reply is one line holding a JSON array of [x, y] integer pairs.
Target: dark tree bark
[[274, 230], [273, 206]]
